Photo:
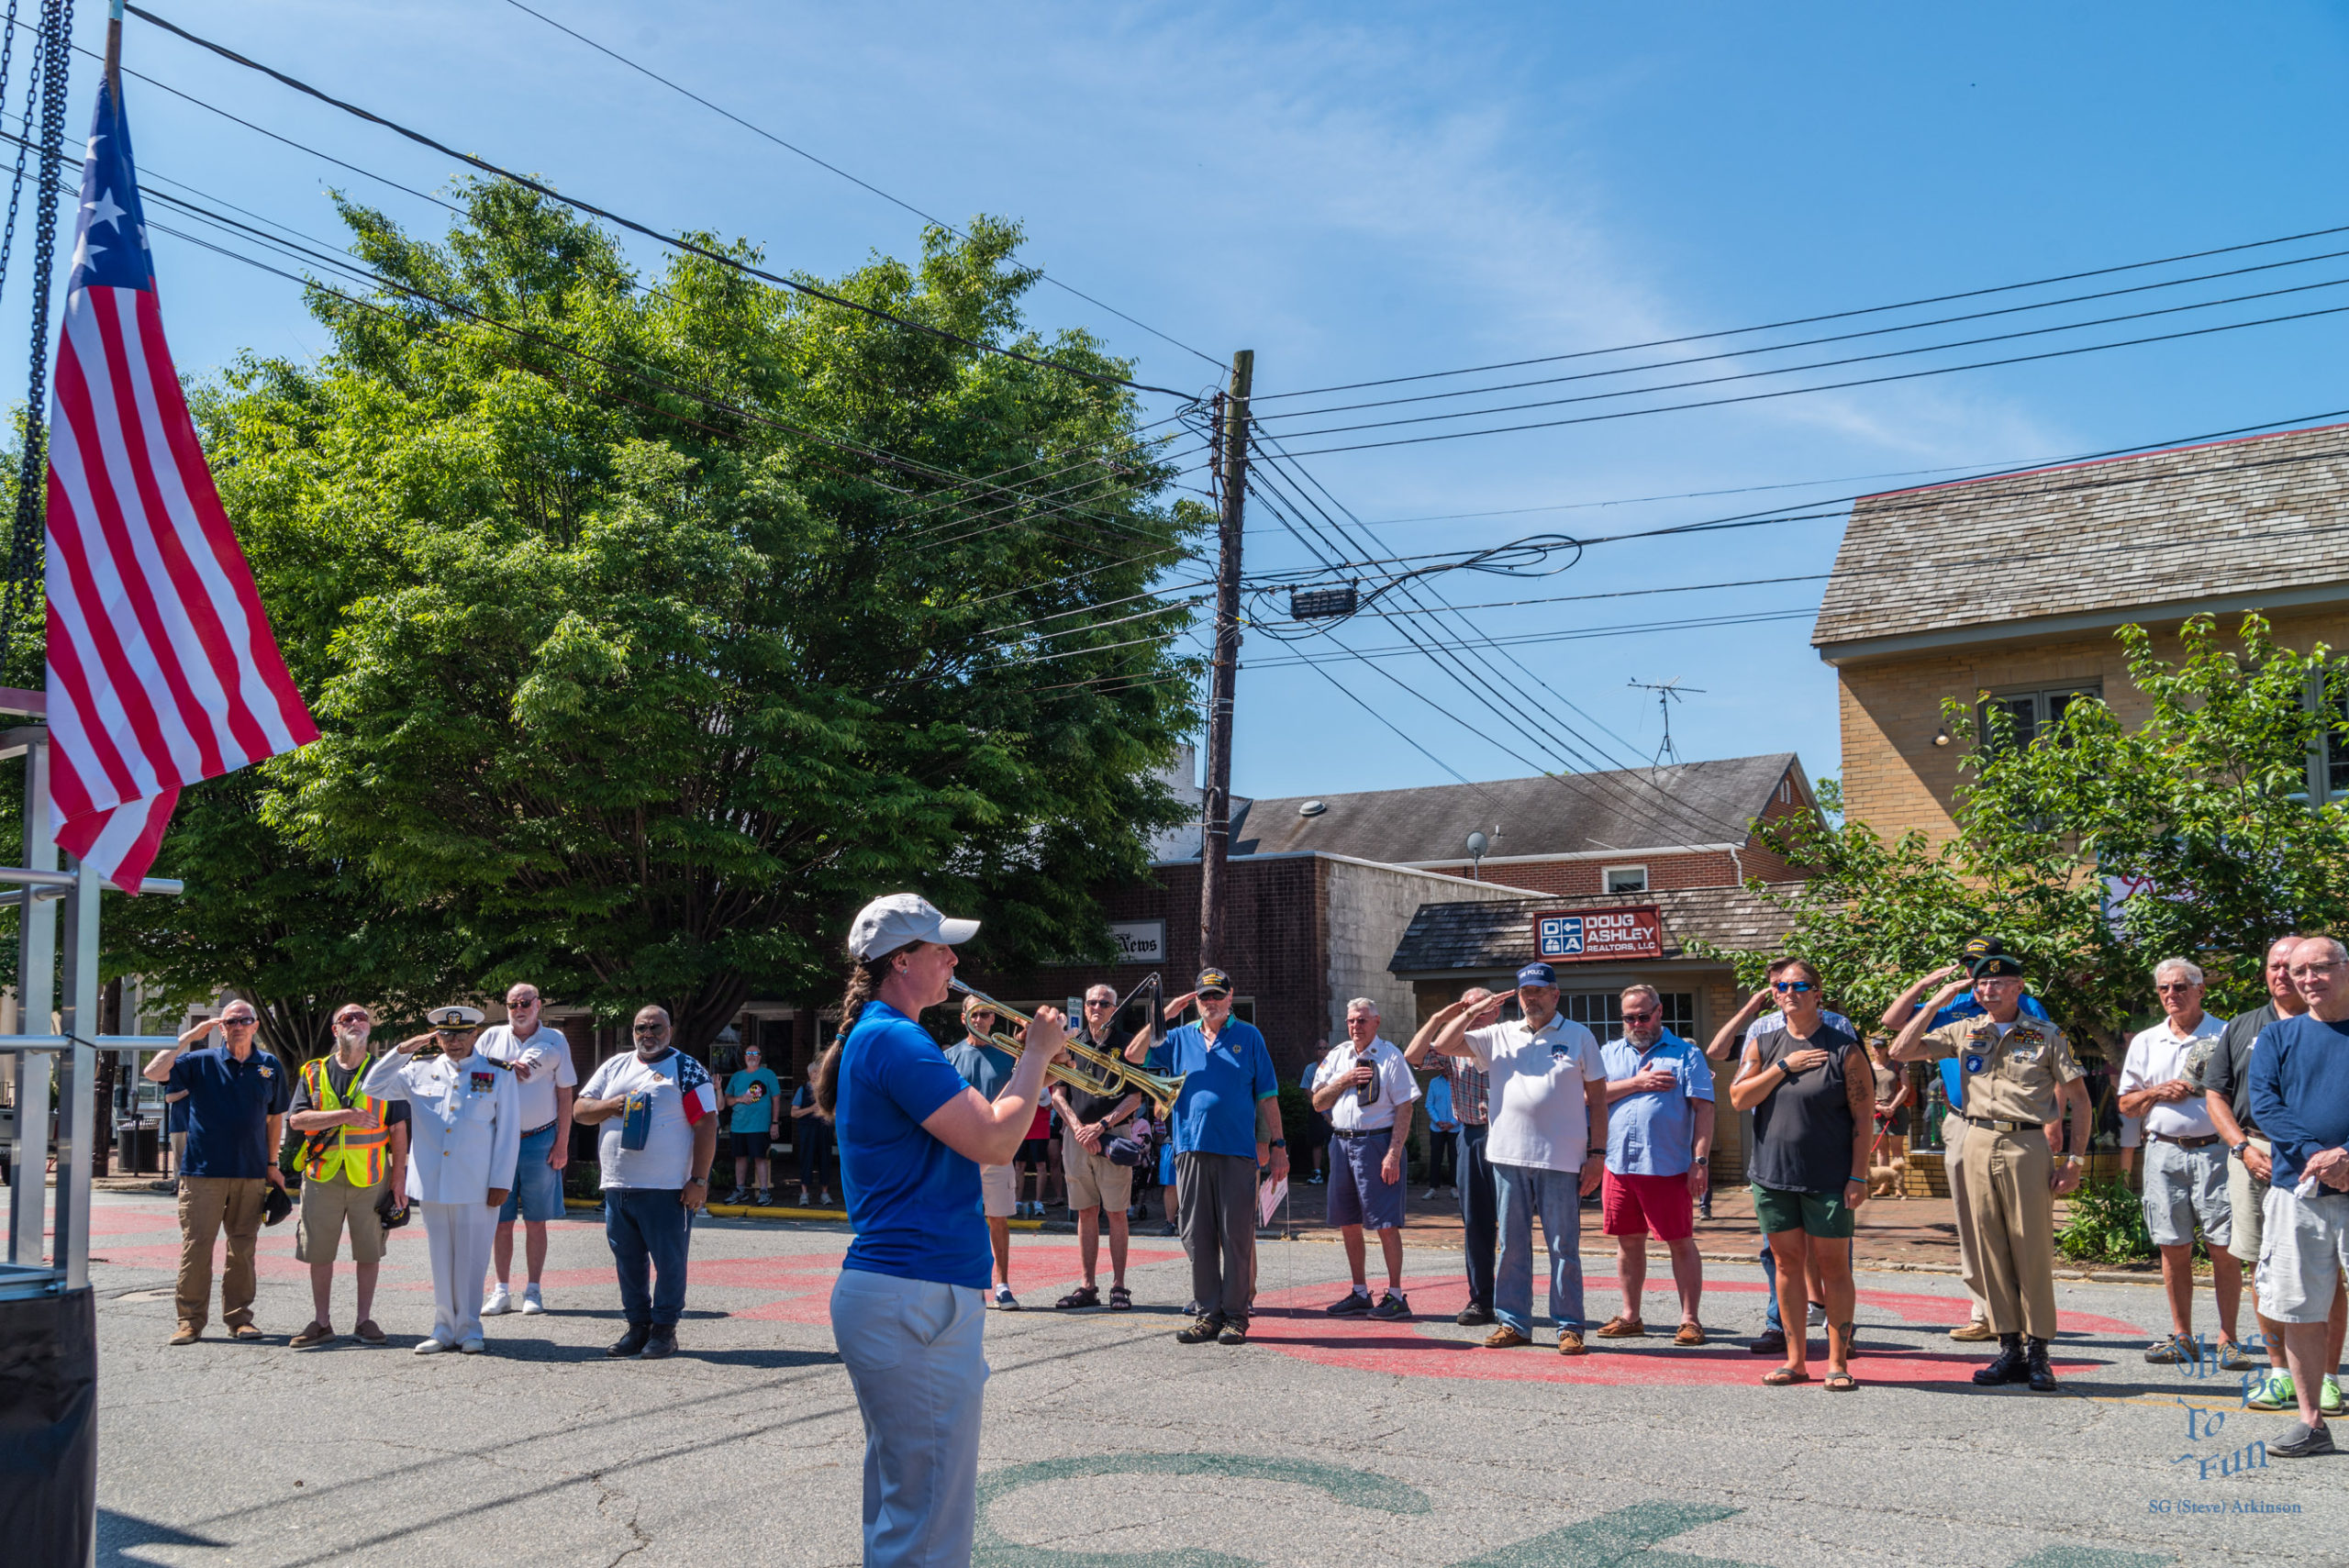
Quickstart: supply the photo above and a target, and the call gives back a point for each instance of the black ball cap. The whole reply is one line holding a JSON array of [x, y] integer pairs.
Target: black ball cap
[[1212, 982]]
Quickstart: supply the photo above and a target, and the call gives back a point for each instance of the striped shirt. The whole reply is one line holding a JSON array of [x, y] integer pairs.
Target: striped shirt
[[1471, 1085]]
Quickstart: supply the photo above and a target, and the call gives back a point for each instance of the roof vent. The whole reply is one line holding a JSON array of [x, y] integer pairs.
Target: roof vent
[[1313, 809]]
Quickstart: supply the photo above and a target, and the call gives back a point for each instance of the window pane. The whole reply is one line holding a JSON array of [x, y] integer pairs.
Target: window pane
[[1632, 879]]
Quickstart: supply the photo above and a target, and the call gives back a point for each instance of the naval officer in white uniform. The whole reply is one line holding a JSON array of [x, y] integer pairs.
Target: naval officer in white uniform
[[466, 1122]]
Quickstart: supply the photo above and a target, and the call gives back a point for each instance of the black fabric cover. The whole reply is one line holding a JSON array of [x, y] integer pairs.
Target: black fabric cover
[[48, 1428]]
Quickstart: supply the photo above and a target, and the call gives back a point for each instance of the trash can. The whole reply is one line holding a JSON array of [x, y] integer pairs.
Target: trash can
[[135, 1149]]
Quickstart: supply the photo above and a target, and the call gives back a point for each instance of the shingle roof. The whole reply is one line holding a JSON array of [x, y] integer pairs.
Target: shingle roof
[[1689, 803], [1500, 935], [2168, 528]]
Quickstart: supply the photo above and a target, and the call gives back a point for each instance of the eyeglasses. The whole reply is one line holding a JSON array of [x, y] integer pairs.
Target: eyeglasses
[[1637, 1018], [451, 1034], [1796, 987], [514, 1006], [2177, 985], [1090, 1004], [238, 1023], [650, 1029], [1213, 995]]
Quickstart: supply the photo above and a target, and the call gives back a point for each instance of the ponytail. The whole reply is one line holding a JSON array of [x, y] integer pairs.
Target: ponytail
[[863, 984]]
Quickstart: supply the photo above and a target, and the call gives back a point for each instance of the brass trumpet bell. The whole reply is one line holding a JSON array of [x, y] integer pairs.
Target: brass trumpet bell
[[1111, 1072]]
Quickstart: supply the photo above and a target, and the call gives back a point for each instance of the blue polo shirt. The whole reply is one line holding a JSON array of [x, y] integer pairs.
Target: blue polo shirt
[[913, 1202], [1216, 1112], [2300, 1092], [1653, 1133], [1965, 1007], [227, 1107]]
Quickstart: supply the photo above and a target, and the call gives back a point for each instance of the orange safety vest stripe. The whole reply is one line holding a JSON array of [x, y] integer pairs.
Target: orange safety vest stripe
[[358, 1148]]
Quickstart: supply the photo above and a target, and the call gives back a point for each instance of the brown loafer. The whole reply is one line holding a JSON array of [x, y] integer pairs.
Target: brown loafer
[[312, 1334], [1504, 1337], [245, 1332], [1570, 1343], [1689, 1334], [1622, 1328], [187, 1334], [1975, 1331], [369, 1334]]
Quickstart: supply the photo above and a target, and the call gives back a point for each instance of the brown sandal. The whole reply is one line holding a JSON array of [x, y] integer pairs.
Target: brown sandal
[[1785, 1376], [1083, 1295]]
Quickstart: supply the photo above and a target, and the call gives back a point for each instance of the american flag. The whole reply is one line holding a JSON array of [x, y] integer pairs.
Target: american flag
[[162, 668]]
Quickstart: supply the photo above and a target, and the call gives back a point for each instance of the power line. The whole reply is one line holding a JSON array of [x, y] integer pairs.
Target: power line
[[1816, 365], [834, 168], [1830, 387], [1829, 316], [1572, 635], [675, 242]]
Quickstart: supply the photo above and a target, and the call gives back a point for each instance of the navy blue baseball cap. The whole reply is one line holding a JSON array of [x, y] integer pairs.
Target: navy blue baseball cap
[[1537, 975]]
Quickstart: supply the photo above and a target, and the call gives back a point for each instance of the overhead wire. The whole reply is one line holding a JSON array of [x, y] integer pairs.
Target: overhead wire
[[674, 241], [759, 130]]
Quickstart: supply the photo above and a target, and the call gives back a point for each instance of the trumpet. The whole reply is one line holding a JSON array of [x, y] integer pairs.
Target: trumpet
[[1112, 1074]]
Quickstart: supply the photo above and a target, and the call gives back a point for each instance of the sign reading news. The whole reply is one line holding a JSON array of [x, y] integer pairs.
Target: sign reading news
[[1139, 942], [1599, 934]]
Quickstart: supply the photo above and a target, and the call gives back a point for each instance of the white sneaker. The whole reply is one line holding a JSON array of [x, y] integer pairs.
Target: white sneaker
[[498, 1303], [1818, 1315], [472, 1347], [532, 1305], [1428, 1193], [429, 1347]]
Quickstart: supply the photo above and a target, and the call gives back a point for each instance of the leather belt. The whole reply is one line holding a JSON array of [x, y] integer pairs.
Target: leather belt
[[1361, 1132], [1990, 1124], [2204, 1141]]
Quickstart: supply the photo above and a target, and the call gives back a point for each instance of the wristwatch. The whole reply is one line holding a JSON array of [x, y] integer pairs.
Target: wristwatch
[[1277, 1143], [2236, 1149]]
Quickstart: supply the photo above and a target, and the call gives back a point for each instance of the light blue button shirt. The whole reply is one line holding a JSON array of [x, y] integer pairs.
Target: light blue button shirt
[[1653, 1133]]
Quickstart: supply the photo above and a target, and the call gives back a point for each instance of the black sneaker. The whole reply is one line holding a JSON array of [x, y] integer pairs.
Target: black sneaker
[[1394, 1305], [1200, 1331], [1769, 1342], [1234, 1333], [631, 1342], [2303, 1442], [660, 1345], [1474, 1316], [1356, 1304]]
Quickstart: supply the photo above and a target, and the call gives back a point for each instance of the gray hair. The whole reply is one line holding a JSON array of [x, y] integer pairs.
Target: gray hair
[[1362, 1005], [2186, 966], [2340, 953], [1100, 986], [1642, 987]]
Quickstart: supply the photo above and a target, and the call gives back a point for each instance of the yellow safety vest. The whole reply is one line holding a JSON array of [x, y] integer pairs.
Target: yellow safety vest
[[358, 1148]]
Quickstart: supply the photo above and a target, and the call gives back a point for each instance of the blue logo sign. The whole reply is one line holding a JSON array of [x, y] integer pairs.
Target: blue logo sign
[[1559, 936]]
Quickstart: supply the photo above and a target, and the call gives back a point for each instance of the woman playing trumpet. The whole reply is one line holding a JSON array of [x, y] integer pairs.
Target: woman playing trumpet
[[907, 1311]]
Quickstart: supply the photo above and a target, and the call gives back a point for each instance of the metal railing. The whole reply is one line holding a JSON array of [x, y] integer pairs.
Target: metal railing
[[46, 891]]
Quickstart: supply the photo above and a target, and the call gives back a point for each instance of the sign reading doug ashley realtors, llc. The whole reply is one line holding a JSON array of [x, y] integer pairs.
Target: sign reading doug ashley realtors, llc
[[1594, 934]]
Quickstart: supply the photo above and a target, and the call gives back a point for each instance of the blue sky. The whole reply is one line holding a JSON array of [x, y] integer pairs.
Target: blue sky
[[1366, 191]]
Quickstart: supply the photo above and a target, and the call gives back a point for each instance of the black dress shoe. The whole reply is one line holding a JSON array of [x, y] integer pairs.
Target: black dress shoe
[[631, 1342], [1769, 1342], [2036, 1369], [2013, 1365], [660, 1345], [1474, 1316]]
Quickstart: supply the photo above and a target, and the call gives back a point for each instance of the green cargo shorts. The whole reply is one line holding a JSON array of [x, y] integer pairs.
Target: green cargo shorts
[[1814, 1214]]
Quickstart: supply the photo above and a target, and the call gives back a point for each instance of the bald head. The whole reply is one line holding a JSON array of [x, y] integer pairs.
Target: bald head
[[2318, 973]]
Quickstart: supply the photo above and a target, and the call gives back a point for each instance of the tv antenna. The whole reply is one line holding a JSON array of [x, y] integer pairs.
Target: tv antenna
[[1667, 693]]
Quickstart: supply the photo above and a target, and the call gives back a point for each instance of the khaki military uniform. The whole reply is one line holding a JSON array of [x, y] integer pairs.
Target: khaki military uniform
[[2014, 1075]]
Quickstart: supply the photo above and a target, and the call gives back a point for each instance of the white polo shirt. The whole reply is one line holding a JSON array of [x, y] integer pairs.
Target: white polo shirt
[[1540, 1108], [2157, 1056], [1396, 1087]]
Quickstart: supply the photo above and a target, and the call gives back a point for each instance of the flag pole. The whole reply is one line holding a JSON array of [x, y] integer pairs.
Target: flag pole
[[114, 50]]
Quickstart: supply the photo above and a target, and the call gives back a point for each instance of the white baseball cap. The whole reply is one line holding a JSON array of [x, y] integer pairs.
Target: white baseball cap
[[889, 923]]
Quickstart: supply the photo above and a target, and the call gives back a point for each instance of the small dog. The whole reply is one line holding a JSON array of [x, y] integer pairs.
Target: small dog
[[1885, 1181]]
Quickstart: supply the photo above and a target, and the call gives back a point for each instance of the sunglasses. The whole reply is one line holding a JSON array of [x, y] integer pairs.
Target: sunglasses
[[451, 1034], [1796, 987], [648, 1029], [521, 1006], [1637, 1018], [2175, 985], [1213, 995]]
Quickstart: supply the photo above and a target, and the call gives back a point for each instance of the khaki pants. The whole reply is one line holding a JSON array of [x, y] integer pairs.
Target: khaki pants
[[1953, 1131], [208, 1204], [2011, 1212]]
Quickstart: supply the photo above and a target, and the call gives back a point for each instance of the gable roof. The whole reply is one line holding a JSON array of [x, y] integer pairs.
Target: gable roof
[[2248, 524], [1594, 814], [1451, 937]]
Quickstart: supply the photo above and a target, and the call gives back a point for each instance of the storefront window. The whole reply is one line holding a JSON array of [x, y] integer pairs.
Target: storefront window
[[1601, 1012]]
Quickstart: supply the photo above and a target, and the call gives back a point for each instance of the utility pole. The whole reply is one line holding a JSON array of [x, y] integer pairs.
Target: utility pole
[[1215, 828]]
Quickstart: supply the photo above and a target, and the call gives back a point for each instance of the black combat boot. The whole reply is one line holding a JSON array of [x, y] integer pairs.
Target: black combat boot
[[631, 1342], [2042, 1375], [2013, 1365], [661, 1344]]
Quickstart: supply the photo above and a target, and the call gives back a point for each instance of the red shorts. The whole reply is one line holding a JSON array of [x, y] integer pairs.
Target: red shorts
[[1638, 1205]]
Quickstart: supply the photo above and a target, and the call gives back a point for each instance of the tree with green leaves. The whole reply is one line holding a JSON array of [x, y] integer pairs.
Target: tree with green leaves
[[2201, 816], [654, 626]]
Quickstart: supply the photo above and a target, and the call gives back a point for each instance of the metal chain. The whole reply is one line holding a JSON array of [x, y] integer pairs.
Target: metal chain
[[23, 147], [52, 64]]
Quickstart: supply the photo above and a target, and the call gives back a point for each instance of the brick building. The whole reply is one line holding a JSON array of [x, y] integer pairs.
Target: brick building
[[2008, 590]]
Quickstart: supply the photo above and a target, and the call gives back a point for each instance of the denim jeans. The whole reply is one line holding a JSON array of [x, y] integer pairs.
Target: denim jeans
[[1524, 1191], [1770, 1319], [648, 1227], [1478, 1222]]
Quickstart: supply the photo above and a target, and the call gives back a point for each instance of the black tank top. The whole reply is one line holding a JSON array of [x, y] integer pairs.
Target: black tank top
[[1802, 1132]]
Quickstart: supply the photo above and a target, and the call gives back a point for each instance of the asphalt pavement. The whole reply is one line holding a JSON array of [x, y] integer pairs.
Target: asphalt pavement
[[1321, 1442]]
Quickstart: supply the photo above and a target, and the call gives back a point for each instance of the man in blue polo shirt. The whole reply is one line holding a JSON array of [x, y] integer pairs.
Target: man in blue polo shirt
[[236, 1097], [1227, 1123]]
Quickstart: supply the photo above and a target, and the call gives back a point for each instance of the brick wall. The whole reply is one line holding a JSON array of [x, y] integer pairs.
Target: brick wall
[[1894, 778], [1368, 908]]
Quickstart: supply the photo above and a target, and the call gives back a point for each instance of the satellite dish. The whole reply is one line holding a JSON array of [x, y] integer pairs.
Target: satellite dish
[[1478, 845]]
